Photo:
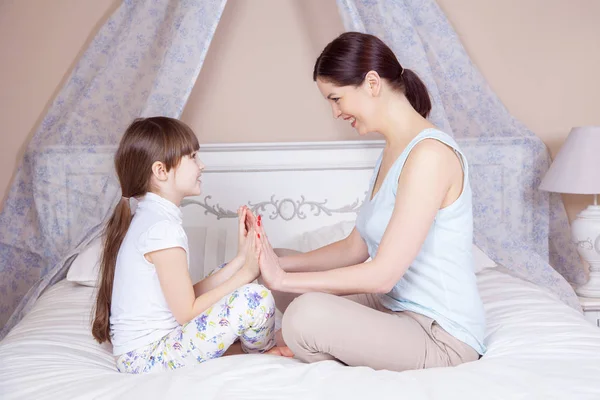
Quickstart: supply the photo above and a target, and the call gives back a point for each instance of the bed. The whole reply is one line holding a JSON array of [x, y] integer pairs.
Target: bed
[[538, 346]]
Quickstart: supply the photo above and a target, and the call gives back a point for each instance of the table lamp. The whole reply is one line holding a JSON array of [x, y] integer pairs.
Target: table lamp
[[576, 169]]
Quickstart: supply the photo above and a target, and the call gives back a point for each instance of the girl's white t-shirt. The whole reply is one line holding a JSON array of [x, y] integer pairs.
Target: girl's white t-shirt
[[139, 313]]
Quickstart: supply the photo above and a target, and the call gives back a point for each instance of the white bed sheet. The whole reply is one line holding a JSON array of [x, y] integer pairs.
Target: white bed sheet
[[538, 348]]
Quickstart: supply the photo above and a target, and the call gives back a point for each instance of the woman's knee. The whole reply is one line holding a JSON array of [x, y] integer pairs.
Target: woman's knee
[[305, 312], [307, 326]]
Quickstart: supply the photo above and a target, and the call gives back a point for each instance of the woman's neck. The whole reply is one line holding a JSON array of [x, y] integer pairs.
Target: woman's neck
[[401, 123]]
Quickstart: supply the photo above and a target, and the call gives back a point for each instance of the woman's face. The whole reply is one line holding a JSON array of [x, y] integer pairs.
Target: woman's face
[[355, 104]]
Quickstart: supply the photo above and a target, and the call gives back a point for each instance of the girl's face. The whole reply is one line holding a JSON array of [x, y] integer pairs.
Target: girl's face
[[186, 176]]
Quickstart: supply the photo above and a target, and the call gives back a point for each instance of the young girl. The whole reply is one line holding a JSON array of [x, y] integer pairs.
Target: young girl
[[147, 306]]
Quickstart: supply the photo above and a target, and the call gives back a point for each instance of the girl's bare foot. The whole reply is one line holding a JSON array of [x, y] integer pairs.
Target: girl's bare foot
[[234, 349]]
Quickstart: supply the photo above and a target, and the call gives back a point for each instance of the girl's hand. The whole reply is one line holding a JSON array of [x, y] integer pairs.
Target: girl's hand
[[245, 217], [270, 269], [252, 255], [251, 220]]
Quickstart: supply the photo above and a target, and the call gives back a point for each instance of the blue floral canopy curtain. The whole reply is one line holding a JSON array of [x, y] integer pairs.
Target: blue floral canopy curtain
[[465, 106], [144, 61]]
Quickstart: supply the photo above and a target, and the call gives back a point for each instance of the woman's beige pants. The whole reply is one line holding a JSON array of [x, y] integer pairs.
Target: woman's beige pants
[[358, 331]]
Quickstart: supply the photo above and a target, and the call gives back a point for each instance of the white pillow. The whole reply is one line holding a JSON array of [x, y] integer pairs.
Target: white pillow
[[209, 248], [481, 260], [317, 238], [323, 236], [85, 268]]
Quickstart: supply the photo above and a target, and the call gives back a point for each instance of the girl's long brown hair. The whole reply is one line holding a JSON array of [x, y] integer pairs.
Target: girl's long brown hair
[[145, 141]]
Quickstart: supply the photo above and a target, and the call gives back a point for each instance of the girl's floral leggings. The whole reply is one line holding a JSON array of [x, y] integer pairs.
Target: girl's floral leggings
[[247, 314]]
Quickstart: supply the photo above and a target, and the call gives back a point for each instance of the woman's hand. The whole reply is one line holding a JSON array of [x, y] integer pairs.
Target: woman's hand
[[270, 269]]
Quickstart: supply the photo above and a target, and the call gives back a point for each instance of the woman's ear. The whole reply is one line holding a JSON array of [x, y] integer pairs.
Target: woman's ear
[[159, 171], [373, 83]]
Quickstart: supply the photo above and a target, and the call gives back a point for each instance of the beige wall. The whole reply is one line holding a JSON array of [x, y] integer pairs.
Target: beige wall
[[40, 41], [540, 56]]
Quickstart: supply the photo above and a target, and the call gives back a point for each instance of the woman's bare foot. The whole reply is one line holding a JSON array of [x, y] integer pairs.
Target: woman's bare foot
[[280, 348], [279, 339], [282, 351], [236, 349]]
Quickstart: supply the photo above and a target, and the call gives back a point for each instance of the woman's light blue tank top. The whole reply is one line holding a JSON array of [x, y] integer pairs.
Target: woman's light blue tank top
[[440, 283]]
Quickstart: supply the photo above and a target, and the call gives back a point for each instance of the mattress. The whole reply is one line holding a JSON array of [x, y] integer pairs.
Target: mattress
[[538, 348]]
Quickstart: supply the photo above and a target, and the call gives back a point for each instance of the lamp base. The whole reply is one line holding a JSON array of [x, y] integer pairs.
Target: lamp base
[[586, 235], [591, 288]]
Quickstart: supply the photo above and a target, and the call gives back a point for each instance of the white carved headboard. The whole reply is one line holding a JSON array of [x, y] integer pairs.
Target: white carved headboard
[[296, 187]]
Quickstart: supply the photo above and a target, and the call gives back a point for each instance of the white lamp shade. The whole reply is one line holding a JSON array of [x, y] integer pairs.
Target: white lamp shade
[[576, 167]]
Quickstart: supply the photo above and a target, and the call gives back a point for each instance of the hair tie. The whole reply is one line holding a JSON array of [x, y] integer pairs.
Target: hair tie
[[131, 202]]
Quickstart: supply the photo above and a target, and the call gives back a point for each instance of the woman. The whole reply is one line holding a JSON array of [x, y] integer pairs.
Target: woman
[[415, 304]]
